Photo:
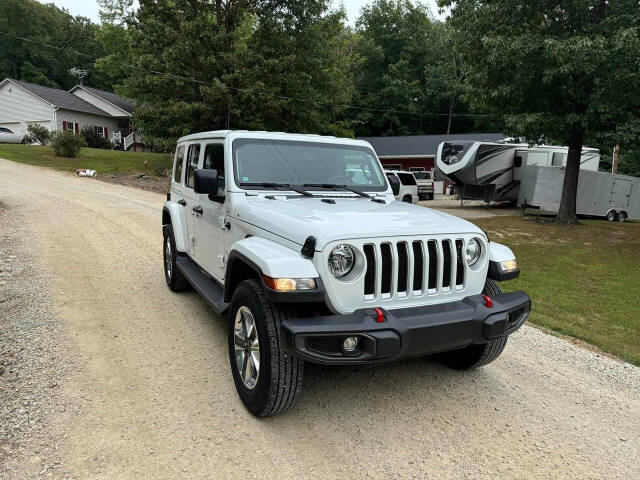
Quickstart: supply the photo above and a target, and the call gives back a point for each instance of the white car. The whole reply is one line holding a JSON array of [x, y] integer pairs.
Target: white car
[[297, 241], [7, 136], [404, 185]]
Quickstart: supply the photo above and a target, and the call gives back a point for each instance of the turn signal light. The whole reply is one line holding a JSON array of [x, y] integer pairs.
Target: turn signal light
[[289, 284], [509, 266]]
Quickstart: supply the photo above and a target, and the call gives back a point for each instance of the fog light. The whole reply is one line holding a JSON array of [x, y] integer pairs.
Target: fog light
[[350, 344]]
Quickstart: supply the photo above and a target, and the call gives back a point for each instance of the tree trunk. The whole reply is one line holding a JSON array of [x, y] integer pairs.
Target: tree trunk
[[567, 211], [450, 114]]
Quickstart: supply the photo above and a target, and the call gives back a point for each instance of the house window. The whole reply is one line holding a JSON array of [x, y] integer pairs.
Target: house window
[[416, 169], [72, 126]]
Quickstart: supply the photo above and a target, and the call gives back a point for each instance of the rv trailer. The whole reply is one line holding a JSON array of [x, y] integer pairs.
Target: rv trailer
[[600, 194], [490, 171]]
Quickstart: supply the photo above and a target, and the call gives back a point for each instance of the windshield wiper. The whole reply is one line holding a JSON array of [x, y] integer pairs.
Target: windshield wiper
[[276, 186], [333, 186]]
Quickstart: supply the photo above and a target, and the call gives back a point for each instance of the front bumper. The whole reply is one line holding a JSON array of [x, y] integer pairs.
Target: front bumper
[[404, 333]]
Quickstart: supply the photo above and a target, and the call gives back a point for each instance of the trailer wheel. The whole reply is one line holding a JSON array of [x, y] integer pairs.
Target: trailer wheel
[[612, 216], [622, 216]]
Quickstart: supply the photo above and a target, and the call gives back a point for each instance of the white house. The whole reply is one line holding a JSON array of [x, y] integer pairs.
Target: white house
[[22, 104]]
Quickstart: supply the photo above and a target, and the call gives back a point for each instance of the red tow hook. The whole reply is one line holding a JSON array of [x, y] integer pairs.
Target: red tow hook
[[379, 315], [487, 301]]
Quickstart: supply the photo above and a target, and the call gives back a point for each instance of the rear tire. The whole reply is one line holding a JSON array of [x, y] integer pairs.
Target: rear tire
[[273, 386], [622, 216], [612, 216], [173, 276], [475, 356]]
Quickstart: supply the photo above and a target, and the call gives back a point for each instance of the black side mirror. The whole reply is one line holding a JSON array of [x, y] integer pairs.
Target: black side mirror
[[205, 181], [395, 184]]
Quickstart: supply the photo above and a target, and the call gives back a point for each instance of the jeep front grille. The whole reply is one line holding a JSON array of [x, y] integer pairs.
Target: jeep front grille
[[399, 269]]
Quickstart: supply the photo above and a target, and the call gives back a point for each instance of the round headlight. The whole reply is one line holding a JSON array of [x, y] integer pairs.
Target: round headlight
[[341, 260], [472, 252]]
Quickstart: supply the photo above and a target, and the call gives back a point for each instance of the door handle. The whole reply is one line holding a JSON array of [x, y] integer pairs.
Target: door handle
[[197, 209], [182, 202]]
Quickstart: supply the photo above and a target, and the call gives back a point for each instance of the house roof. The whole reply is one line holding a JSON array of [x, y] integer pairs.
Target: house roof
[[422, 145], [61, 98], [118, 101]]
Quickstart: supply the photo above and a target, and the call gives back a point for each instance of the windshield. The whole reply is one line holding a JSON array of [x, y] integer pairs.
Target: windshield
[[305, 163]]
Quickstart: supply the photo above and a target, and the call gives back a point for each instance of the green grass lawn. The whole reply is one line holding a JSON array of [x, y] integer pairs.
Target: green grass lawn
[[104, 161], [584, 281]]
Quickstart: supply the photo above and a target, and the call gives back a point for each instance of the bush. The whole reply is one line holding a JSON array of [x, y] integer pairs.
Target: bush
[[37, 133], [94, 139], [67, 144]]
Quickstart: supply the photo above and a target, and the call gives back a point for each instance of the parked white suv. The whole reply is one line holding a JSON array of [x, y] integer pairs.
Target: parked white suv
[[298, 241], [403, 185]]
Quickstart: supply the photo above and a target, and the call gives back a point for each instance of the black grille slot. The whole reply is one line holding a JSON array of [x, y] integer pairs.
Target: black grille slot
[[433, 264], [385, 254], [459, 263], [418, 265], [446, 263], [370, 274], [403, 266]]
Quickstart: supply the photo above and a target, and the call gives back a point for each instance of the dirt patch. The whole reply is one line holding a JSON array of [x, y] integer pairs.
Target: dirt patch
[[138, 180]]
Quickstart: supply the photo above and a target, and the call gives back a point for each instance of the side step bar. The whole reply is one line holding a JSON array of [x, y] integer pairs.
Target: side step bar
[[208, 289]]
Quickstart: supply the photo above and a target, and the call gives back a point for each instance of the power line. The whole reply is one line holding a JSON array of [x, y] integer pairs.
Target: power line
[[250, 91]]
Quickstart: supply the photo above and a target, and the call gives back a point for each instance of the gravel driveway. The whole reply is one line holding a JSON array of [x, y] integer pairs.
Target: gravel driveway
[[124, 379]]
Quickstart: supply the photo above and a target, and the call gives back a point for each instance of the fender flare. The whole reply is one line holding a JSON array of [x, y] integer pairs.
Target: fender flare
[[500, 253], [265, 257], [171, 213]]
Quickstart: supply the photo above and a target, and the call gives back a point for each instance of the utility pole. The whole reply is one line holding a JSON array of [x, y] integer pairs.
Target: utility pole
[[616, 159]]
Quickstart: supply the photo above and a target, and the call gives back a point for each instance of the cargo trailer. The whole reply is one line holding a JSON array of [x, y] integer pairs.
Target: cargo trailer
[[600, 194]]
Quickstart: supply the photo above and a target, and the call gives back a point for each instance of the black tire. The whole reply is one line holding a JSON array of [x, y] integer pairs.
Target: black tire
[[173, 276], [406, 199], [475, 356], [622, 216], [612, 216], [280, 376], [431, 195]]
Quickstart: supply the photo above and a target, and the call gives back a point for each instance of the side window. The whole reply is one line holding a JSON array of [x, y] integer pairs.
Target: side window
[[193, 154], [407, 179], [177, 170], [214, 159]]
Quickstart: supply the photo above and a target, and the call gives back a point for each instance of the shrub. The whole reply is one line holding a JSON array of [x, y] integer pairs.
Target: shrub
[[37, 133], [94, 139], [67, 144]]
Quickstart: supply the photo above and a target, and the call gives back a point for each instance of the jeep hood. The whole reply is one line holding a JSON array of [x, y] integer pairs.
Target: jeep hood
[[347, 218]]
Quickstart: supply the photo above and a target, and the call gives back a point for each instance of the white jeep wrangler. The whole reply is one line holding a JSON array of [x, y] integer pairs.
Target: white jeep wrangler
[[298, 240]]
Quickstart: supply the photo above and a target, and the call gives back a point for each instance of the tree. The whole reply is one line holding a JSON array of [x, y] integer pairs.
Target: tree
[[407, 65], [236, 63], [559, 69]]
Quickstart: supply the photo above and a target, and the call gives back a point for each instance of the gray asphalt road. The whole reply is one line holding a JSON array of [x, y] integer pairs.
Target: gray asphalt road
[[150, 394]]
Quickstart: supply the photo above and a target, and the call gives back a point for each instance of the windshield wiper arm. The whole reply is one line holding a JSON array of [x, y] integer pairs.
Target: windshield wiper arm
[[333, 186], [277, 185]]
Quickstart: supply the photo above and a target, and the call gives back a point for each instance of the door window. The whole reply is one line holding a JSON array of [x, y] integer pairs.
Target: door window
[[193, 154], [177, 169], [214, 160]]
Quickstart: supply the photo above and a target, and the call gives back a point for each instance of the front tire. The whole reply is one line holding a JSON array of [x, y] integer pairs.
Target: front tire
[[622, 216], [612, 216], [475, 356], [406, 199], [266, 379], [173, 276]]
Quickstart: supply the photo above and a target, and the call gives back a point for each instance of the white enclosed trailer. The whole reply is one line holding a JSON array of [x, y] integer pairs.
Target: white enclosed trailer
[[601, 194]]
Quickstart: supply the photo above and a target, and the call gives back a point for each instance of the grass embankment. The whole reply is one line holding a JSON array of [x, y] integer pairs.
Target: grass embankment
[[103, 161], [584, 281]]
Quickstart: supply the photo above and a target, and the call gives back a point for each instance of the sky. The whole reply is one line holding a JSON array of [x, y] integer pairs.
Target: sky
[[89, 8]]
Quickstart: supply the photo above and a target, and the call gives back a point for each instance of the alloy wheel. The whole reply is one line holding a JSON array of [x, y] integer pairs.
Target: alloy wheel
[[247, 347]]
